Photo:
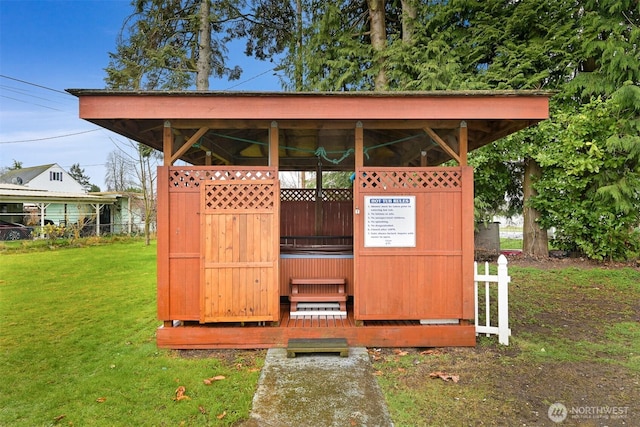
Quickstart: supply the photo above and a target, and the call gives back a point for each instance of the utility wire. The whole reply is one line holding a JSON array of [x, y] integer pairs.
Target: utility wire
[[50, 137], [34, 84]]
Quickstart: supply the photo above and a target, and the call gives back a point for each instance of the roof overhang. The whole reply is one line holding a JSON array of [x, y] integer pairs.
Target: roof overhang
[[236, 124], [18, 194]]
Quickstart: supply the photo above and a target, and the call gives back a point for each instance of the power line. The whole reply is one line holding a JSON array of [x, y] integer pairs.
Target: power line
[[36, 85], [31, 103], [249, 79], [50, 137]]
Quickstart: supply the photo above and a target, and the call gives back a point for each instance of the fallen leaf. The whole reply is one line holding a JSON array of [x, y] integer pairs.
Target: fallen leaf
[[402, 370], [222, 415], [429, 352], [180, 393], [202, 410], [254, 370], [209, 381], [400, 352], [444, 376], [59, 417], [101, 399], [377, 373]]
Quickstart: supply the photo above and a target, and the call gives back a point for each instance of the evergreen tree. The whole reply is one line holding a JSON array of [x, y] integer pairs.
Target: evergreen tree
[[80, 176]]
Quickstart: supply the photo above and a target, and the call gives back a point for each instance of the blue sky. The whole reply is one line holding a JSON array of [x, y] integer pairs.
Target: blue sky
[[49, 46]]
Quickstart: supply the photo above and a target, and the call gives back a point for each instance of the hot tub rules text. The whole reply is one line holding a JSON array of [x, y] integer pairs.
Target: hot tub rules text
[[390, 221]]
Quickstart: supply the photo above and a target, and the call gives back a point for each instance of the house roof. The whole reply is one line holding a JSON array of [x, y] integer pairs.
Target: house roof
[[24, 175], [233, 127]]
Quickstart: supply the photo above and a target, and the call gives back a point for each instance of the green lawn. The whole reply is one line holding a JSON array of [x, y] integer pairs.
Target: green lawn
[[78, 346], [78, 349]]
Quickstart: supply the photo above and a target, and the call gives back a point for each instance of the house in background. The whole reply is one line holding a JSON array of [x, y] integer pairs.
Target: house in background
[[50, 177], [47, 194]]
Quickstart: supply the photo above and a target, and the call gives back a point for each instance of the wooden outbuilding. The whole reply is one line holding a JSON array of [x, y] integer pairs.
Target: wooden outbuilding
[[243, 263]]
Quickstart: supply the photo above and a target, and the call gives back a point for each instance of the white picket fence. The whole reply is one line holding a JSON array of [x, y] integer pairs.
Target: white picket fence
[[502, 280]]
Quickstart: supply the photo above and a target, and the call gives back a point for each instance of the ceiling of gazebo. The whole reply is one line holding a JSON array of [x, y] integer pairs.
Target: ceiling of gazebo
[[313, 126]]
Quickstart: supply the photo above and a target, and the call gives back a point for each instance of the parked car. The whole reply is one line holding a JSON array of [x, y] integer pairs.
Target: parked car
[[14, 231]]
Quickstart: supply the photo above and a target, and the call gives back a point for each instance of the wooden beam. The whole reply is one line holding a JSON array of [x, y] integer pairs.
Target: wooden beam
[[167, 143], [359, 146], [463, 138], [442, 144], [187, 145], [274, 149]]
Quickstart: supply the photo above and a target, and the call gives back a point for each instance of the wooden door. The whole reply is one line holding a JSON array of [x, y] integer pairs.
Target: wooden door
[[240, 250]]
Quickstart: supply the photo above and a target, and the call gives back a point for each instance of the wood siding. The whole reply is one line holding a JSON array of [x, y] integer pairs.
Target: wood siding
[[315, 268], [434, 279], [180, 238], [240, 251]]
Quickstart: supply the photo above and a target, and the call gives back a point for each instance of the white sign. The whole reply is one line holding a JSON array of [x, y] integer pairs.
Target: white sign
[[390, 221]]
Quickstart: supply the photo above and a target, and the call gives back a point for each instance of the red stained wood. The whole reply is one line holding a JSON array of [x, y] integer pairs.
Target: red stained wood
[[376, 334], [315, 268], [276, 106], [430, 280]]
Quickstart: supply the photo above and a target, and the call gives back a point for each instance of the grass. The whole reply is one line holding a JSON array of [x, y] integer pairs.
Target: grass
[[576, 339], [78, 346]]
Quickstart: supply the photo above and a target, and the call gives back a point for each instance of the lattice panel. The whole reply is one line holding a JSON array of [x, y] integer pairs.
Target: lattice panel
[[192, 177], [244, 196], [408, 178], [297, 195], [337, 195], [309, 195]]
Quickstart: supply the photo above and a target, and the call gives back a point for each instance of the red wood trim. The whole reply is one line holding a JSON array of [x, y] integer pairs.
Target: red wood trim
[[167, 143], [400, 106], [467, 224], [163, 244], [359, 146], [463, 140], [274, 149]]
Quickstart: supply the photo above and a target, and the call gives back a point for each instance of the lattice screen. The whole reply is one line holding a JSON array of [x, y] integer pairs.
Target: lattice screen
[[309, 195], [241, 196], [193, 176], [410, 178]]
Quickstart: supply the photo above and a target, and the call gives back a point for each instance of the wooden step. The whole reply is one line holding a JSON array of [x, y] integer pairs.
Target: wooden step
[[317, 345], [318, 297]]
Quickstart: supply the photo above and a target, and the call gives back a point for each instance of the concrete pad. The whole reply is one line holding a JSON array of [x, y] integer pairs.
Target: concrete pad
[[318, 390]]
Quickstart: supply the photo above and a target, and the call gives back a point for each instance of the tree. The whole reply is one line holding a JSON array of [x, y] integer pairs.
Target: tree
[[14, 166], [168, 44], [591, 183], [148, 160], [79, 175], [120, 170]]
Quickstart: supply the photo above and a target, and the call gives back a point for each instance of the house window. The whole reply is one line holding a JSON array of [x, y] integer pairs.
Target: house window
[[55, 176]]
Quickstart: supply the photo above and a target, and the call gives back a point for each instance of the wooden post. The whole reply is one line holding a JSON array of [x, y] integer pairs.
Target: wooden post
[[319, 211], [274, 148], [358, 224], [423, 158], [359, 146], [207, 159], [167, 143], [463, 142]]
